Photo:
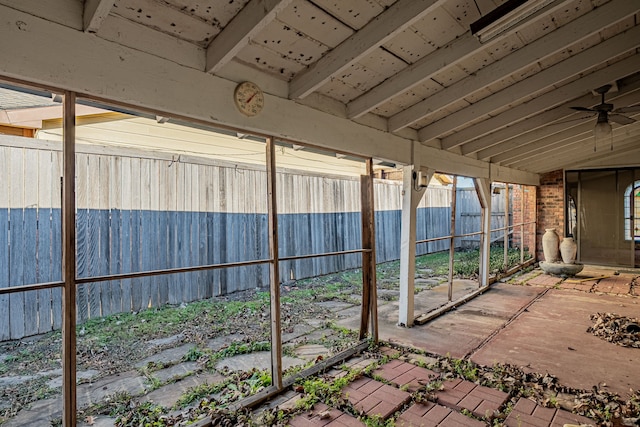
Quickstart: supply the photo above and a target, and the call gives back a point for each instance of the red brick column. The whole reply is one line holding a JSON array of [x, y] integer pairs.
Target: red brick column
[[526, 194], [550, 204]]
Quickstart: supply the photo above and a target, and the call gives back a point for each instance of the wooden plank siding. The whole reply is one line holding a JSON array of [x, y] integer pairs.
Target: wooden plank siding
[[137, 213]]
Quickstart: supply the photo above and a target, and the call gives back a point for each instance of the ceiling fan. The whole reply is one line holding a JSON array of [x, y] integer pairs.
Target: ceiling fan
[[606, 113]]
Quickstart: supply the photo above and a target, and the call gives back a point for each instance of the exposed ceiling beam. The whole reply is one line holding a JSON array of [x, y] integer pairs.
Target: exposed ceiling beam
[[546, 78], [528, 109], [252, 19], [414, 74], [578, 150], [94, 13], [552, 123], [533, 52], [506, 137], [621, 158], [576, 157], [378, 31], [422, 70], [565, 138]]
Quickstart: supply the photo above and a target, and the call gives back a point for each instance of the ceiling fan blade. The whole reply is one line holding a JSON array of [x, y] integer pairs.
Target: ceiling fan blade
[[620, 119], [629, 109], [582, 109]]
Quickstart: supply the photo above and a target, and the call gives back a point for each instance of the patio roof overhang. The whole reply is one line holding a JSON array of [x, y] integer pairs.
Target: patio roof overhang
[[369, 78]]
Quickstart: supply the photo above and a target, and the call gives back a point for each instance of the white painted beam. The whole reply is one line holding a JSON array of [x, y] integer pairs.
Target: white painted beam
[[378, 31], [252, 19], [576, 150], [113, 72], [627, 157], [542, 125], [414, 74], [450, 163], [489, 144], [572, 66], [499, 173], [544, 102], [453, 53], [539, 138], [95, 12], [544, 47], [411, 196], [483, 189], [116, 73]]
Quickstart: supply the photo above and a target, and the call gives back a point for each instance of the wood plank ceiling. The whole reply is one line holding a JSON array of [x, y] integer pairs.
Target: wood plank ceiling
[[412, 67]]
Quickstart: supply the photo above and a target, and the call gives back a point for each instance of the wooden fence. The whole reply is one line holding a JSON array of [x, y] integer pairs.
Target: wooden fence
[[144, 211]]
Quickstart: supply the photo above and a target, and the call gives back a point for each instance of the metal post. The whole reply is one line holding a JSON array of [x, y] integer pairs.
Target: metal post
[[506, 227], [452, 240], [69, 263], [274, 270], [522, 221]]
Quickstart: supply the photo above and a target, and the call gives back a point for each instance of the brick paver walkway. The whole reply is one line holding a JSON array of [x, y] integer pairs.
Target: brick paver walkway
[[322, 415], [526, 413], [375, 398], [406, 375], [430, 414], [370, 397], [480, 401]]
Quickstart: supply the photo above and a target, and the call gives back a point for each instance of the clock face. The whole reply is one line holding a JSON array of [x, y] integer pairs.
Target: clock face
[[248, 98]]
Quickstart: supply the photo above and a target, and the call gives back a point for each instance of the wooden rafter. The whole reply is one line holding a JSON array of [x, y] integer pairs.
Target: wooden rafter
[[254, 17], [377, 32], [529, 109], [544, 79], [94, 14], [569, 34], [530, 132]]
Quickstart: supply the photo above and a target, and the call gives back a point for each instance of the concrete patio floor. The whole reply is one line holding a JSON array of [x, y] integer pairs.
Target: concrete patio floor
[[540, 323]]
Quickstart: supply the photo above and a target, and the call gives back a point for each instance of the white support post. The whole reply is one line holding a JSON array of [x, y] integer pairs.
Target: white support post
[[483, 188], [412, 193]]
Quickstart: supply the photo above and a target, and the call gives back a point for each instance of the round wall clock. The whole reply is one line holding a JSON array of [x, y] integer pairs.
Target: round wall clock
[[248, 98]]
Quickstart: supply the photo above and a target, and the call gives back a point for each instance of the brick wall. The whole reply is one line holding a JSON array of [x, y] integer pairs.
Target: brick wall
[[550, 206], [527, 195]]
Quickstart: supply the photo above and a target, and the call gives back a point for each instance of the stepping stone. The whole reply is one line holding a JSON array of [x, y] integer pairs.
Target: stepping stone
[[298, 331], [162, 342], [322, 415], [481, 401], [334, 306], [349, 312], [319, 334], [527, 413], [218, 343], [168, 356], [99, 421], [403, 374], [169, 394], [80, 375], [430, 414], [130, 382], [312, 351], [375, 398], [259, 360], [40, 413], [177, 371]]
